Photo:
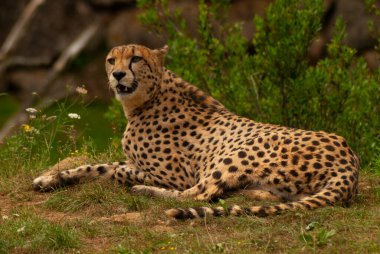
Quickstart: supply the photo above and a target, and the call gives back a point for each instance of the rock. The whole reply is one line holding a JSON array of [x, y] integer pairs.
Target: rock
[[358, 36], [356, 18], [26, 80], [10, 11], [244, 11], [111, 3], [55, 25], [126, 28]]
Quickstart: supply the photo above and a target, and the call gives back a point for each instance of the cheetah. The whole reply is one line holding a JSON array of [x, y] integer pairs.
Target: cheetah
[[183, 144]]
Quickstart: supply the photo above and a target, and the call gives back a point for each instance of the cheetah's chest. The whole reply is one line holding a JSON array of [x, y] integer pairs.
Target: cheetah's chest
[[156, 152]]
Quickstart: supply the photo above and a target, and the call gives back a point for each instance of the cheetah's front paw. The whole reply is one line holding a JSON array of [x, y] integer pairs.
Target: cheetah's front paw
[[46, 183]]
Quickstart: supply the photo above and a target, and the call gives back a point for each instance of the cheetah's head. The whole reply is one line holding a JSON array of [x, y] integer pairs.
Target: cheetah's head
[[134, 73]]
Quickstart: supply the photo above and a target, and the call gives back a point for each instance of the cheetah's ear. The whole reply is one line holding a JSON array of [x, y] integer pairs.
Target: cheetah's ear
[[161, 53]]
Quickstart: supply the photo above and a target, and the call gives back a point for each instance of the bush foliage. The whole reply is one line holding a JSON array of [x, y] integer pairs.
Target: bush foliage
[[276, 84]]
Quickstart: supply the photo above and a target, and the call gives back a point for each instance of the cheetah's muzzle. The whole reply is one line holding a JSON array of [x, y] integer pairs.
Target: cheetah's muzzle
[[122, 89]]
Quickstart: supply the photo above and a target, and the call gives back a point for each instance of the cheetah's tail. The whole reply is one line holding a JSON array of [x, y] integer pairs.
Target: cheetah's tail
[[325, 197]]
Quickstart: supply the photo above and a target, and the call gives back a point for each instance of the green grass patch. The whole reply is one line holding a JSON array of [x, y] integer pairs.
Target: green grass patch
[[94, 196], [24, 231], [100, 217], [8, 106]]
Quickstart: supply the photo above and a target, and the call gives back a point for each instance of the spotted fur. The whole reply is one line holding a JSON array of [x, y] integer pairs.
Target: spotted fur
[[183, 144]]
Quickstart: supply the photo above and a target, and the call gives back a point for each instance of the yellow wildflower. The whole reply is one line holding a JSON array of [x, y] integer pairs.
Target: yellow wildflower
[[26, 127]]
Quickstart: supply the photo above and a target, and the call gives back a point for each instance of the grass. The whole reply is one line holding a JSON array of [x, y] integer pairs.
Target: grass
[[24, 230], [8, 106], [100, 217]]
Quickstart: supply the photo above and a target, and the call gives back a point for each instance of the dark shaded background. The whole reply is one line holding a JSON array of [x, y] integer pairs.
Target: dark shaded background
[[49, 47]]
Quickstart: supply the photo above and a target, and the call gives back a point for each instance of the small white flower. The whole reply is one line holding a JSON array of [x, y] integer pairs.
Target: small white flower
[[20, 230], [5, 217], [34, 130], [311, 225], [74, 116], [51, 118], [81, 90], [31, 110]]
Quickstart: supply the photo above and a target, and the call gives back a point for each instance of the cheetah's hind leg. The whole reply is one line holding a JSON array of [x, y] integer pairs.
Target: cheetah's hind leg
[[196, 192], [153, 191]]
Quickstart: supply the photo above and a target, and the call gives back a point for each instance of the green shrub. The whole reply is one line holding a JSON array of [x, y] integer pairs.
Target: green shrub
[[115, 115], [216, 60], [276, 84], [281, 41]]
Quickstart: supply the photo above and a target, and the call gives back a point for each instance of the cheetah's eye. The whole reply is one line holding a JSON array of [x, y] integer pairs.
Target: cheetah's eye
[[111, 61], [135, 59]]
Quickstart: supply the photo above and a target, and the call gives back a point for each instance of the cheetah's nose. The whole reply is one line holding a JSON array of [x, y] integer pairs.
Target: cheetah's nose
[[118, 75]]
